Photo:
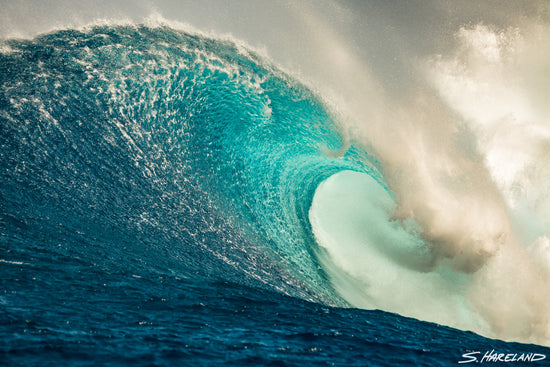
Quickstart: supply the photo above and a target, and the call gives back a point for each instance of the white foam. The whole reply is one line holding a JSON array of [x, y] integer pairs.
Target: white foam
[[377, 262]]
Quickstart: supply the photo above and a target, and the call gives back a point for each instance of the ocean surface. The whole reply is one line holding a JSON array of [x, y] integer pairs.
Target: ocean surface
[[172, 198]]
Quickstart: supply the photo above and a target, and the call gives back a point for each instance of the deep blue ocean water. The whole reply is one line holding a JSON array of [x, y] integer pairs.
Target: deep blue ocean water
[[154, 207]]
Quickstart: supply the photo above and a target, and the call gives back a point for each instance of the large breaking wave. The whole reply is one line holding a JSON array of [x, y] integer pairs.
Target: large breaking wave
[[136, 147]]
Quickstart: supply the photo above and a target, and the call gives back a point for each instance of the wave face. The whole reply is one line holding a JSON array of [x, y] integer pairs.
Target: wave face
[[148, 140], [165, 177]]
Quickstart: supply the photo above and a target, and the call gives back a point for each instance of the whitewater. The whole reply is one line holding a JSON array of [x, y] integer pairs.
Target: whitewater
[[279, 183]]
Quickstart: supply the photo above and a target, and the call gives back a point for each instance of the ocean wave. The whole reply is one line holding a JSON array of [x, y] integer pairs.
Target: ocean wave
[[149, 149]]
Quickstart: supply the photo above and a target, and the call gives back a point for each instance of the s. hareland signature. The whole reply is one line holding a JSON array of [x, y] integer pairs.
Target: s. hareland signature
[[494, 356]]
